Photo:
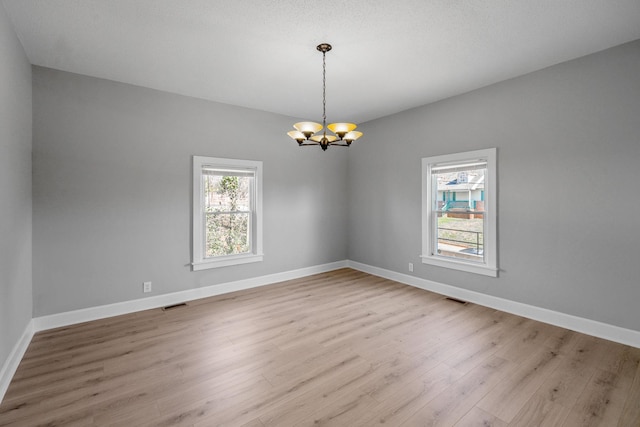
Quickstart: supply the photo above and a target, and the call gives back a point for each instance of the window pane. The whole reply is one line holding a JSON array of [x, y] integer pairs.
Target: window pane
[[460, 237], [227, 193], [226, 234], [227, 207], [460, 208]]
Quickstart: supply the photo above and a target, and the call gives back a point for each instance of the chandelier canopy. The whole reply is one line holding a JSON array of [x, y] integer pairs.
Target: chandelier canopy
[[307, 133]]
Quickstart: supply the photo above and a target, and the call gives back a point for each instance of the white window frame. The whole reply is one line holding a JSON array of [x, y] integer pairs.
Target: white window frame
[[429, 233], [199, 261]]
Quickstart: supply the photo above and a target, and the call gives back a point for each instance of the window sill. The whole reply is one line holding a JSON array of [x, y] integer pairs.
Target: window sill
[[226, 261], [460, 265]]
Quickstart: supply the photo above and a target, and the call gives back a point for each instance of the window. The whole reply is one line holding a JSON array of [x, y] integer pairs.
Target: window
[[459, 211], [227, 212]]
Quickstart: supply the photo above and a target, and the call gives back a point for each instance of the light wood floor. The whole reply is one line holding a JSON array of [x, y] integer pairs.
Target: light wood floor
[[342, 348]]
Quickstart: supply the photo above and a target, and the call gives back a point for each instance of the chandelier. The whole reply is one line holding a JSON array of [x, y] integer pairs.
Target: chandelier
[[306, 133]]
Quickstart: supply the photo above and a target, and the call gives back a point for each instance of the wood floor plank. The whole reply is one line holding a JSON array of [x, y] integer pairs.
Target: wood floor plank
[[513, 392], [602, 401], [393, 375], [565, 385], [631, 412], [468, 352], [254, 423], [530, 336], [458, 399], [338, 348], [244, 410], [539, 411], [345, 412], [302, 408], [476, 417], [410, 398]]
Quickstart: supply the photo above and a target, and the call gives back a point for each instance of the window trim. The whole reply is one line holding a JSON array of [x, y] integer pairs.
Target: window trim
[[490, 265], [199, 262]]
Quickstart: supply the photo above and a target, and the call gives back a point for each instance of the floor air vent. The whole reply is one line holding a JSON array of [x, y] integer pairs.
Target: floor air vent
[[459, 301], [171, 307]]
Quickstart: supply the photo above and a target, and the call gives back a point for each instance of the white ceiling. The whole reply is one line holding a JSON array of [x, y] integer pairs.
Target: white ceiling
[[388, 55]]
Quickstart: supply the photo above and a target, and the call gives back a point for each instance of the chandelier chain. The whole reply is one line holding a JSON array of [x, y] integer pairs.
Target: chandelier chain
[[324, 90]]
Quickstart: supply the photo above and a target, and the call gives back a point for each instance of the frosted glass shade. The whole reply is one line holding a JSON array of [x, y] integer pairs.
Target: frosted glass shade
[[308, 128], [297, 135], [352, 136], [341, 129]]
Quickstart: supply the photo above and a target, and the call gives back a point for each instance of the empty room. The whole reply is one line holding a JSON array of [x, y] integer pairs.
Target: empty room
[[346, 213]]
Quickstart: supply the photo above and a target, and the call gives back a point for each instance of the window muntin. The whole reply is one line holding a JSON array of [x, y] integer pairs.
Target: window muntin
[[227, 212], [459, 211]]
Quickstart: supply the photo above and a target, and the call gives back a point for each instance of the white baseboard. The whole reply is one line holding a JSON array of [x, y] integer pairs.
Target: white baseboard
[[578, 324], [11, 364], [94, 313]]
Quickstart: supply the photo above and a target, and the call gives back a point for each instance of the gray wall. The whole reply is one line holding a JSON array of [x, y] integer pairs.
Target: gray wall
[[112, 191], [568, 140], [15, 189]]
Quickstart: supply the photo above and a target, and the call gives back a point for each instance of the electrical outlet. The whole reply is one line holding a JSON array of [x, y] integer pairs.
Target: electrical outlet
[[411, 267], [146, 287]]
